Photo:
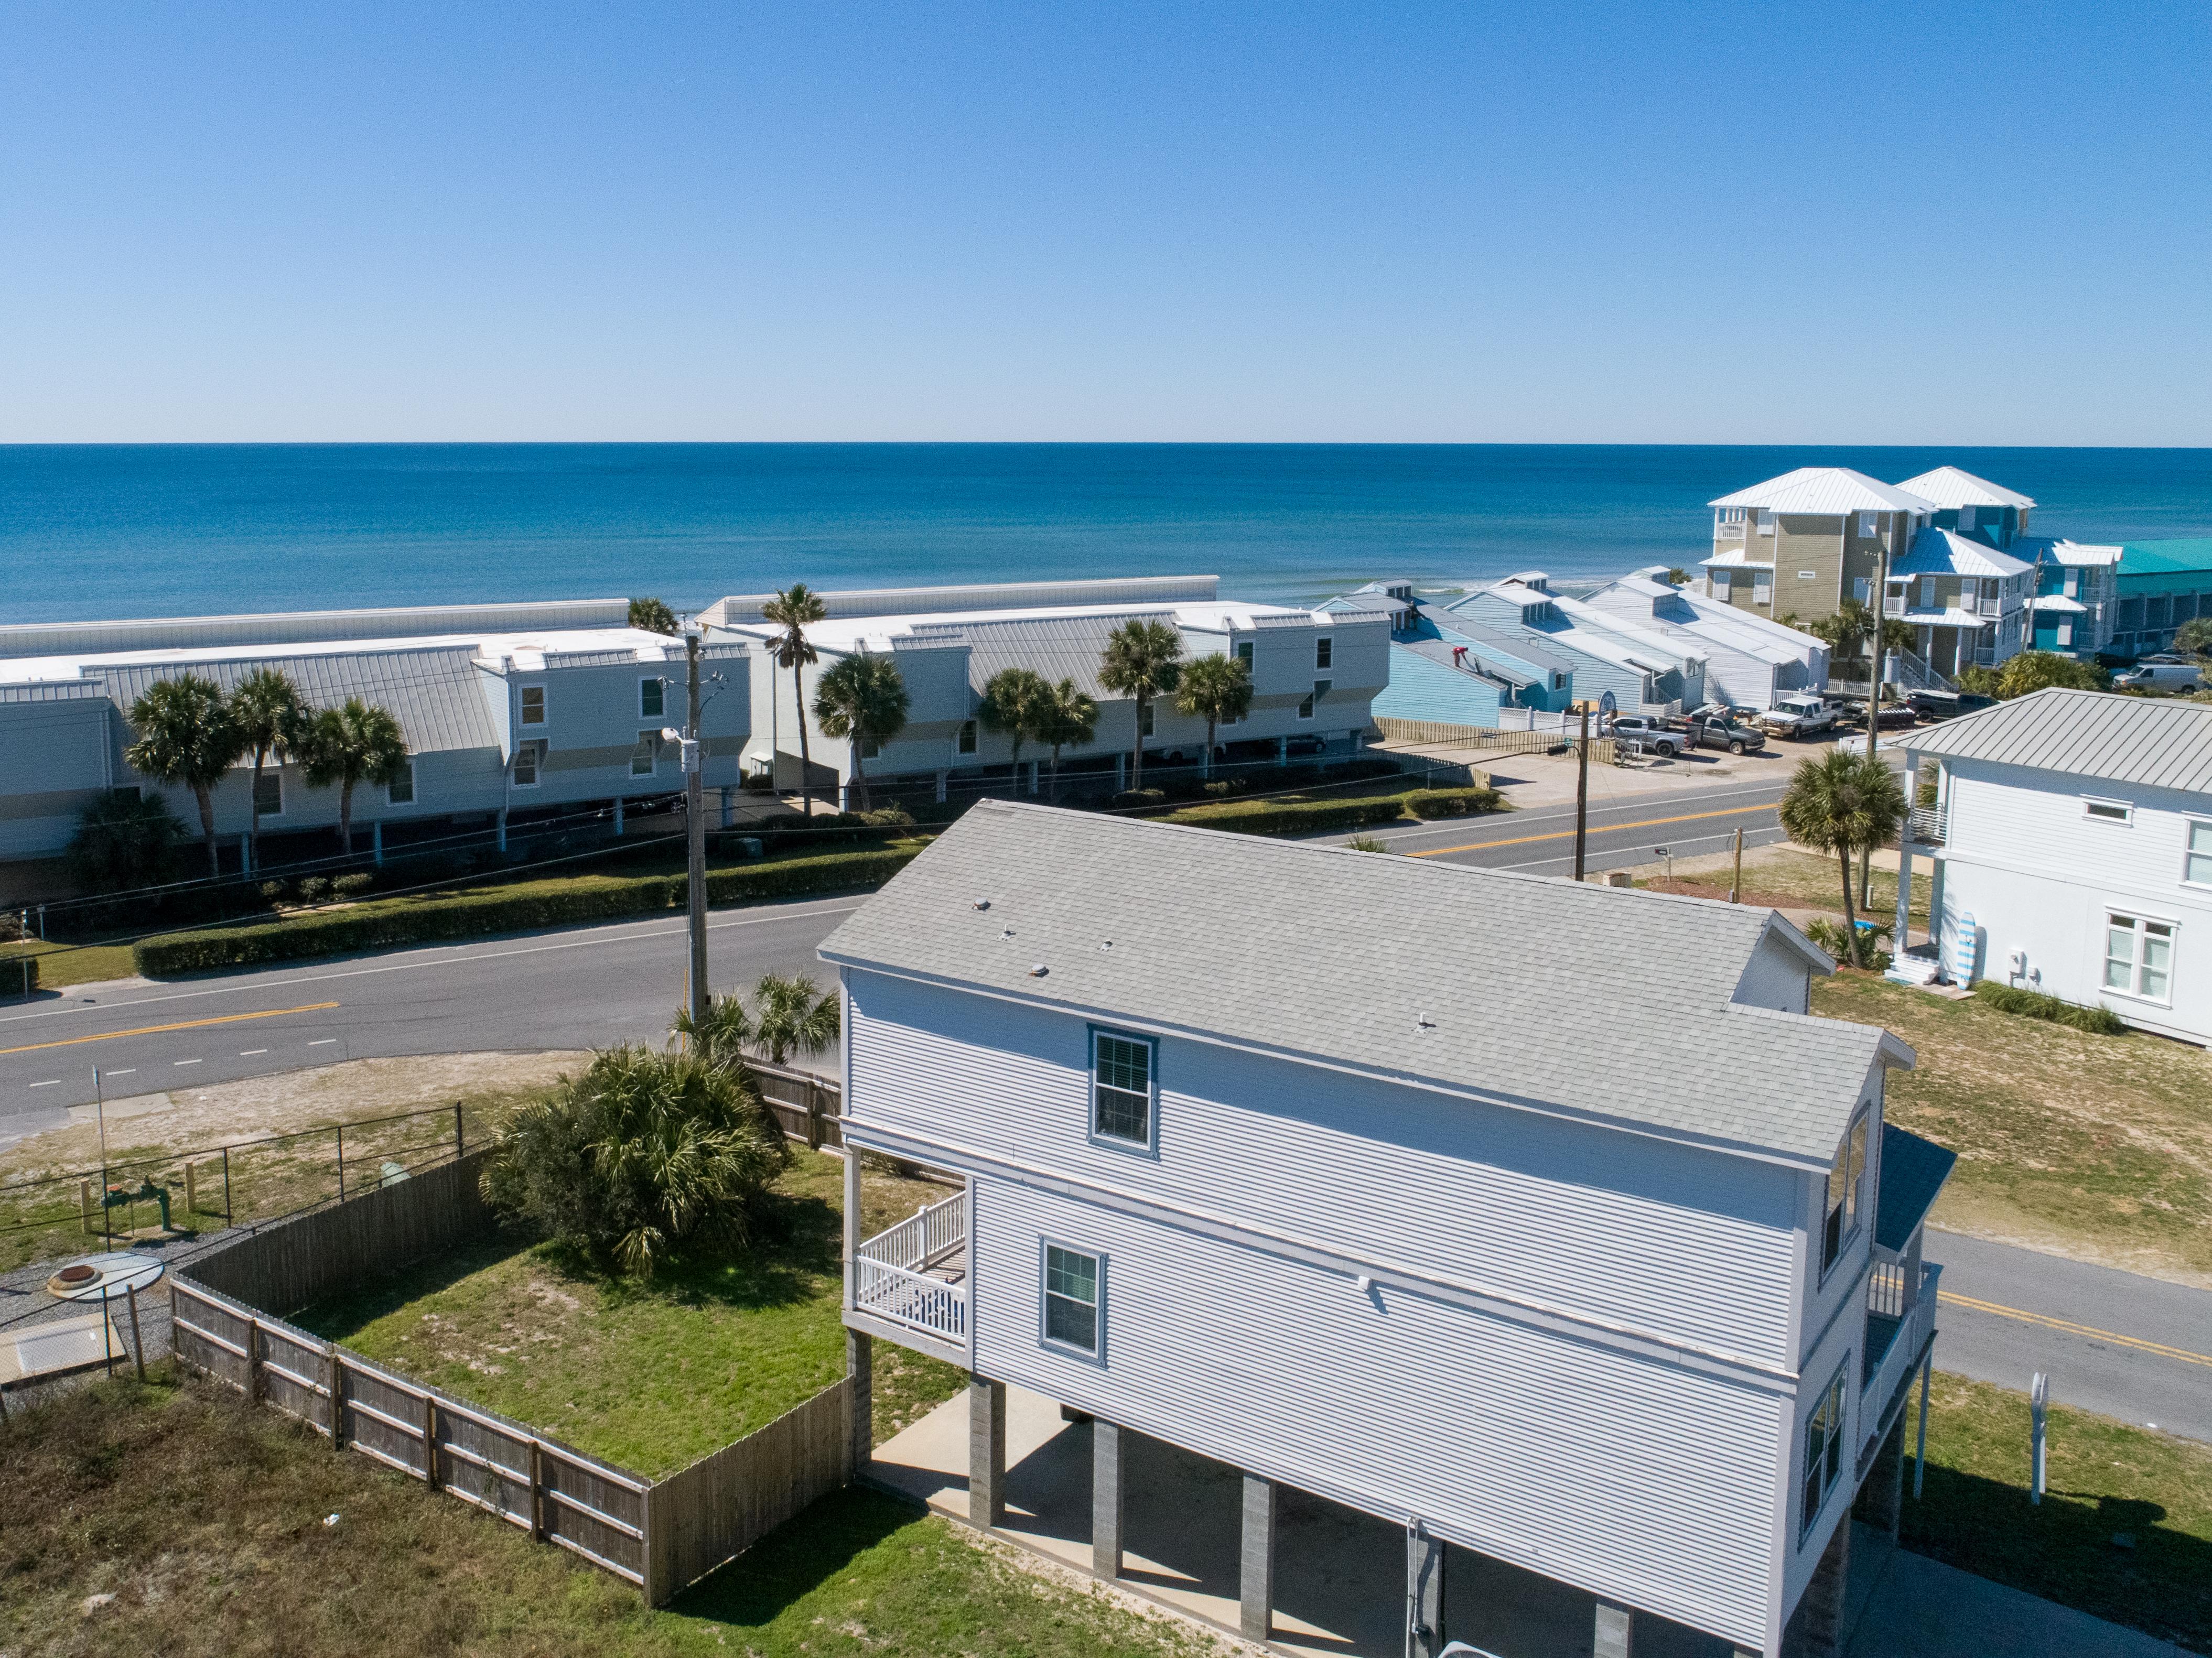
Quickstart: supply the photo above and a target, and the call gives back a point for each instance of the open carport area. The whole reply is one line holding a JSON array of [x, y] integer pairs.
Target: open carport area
[[1339, 1587]]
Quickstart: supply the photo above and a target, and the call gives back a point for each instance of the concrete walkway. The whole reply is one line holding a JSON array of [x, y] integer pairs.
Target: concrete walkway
[[1339, 1575]]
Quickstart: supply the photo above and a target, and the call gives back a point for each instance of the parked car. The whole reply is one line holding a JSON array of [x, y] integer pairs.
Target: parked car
[[1801, 714], [1895, 716], [2161, 673], [1720, 732], [1946, 705], [1653, 736]]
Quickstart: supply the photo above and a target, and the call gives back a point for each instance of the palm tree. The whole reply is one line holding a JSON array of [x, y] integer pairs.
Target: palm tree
[[186, 740], [652, 616], [269, 713], [1840, 803], [793, 1014], [862, 698], [1143, 659], [795, 609], [720, 1037], [1218, 690], [1010, 699], [355, 743], [1064, 715]]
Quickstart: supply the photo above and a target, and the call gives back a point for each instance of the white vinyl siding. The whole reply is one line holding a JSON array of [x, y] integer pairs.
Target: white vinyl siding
[[1622, 1227], [1653, 1484]]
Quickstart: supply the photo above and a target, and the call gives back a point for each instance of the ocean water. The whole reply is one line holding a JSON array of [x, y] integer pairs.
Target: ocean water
[[90, 532]]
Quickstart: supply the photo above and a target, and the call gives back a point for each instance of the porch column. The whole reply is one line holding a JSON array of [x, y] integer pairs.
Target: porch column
[[618, 817], [860, 1367], [245, 855], [1255, 1569], [1106, 1498], [376, 843], [1936, 914], [851, 1225], [1282, 750], [729, 805], [987, 1453], [1425, 1593], [1816, 1627], [1121, 772], [1616, 1628], [1033, 777], [502, 829], [943, 778]]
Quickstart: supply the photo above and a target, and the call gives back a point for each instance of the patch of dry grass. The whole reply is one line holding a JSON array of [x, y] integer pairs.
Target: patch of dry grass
[[2095, 1147]]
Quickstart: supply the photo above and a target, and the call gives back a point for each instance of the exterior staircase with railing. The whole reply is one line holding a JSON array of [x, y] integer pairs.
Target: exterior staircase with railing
[[915, 1273]]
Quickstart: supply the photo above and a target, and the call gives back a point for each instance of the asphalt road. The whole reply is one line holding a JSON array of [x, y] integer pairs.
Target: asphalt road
[[2116, 1343], [581, 988]]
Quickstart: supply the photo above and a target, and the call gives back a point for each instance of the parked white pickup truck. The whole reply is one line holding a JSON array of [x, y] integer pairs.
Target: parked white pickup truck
[[1800, 715]]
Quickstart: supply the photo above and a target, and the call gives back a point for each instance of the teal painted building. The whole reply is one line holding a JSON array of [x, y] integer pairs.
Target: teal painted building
[[2162, 584], [1448, 670]]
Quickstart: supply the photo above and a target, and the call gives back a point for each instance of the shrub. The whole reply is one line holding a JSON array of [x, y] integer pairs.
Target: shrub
[[351, 886], [124, 840], [19, 975], [891, 816], [1453, 803], [1128, 799], [2035, 1004], [1367, 843], [1831, 937], [644, 1152], [1292, 817], [473, 914], [311, 888]]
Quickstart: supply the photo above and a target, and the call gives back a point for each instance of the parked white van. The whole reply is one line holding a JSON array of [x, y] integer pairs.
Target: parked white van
[[2163, 673]]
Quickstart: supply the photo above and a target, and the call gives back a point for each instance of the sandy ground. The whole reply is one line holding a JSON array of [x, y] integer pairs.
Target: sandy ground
[[290, 1100]]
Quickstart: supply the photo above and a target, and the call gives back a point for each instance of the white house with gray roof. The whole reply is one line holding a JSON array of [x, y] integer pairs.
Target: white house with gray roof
[[1751, 660], [1351, 1210], [2071, 842], [508, 710], [1315, 676]]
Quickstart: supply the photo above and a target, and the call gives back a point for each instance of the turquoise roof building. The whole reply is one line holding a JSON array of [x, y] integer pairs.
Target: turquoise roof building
[[2162, 584]]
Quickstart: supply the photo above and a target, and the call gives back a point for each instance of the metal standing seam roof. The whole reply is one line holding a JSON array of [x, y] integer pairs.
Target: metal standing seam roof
[[53, 690], [2186, 556], [1521, 647], [1724, 625], [1945, 552], [2058, 549], [2121, 739], [1827, 491], [1432, 974], [1949, 486], [1058, 648], [436, 694]]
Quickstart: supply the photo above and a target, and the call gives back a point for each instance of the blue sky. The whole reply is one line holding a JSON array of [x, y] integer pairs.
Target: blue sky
[[1912, 223]]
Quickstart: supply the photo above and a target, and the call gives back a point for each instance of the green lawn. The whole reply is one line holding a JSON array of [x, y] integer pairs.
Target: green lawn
[[61, 965], [1777, 878], [650, 1375], [2105, 1479], [205, 1519], [2097, 1147]]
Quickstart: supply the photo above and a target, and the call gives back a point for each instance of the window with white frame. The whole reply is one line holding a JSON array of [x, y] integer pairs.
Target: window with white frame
[[1928, 592], [1245, 652], [1966, 517], [533, 705], [2065, 633], [2108, 811], [1762, 587], [1324, 649], [2198, 870], [1846, 1176], [645, 757], [400, 790], [1824, 1450], [1121, 1090], [966, 744], [269, 794], [651, 699], [1867, 522], [1073, 1280], [2139, 957], [526, 757], [1765, 521]]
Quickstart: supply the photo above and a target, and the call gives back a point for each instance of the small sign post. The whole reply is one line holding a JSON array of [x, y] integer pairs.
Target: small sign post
[[2039, 1400]]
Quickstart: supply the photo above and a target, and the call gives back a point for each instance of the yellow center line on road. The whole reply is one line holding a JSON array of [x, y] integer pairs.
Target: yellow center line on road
[[2071, 1328], [155, 1029], [1595, 829]]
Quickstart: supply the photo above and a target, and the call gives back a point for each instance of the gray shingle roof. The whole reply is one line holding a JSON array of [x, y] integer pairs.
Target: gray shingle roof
[[434, 693], [2123, 739], [1538, 991]]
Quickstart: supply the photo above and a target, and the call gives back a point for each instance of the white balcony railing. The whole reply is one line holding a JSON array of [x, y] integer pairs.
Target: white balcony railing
[[1900, 1315], [915, 1273], [1927, 824]]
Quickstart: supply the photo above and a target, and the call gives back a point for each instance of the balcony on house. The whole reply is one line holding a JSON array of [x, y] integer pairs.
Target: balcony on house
[[1927, 825], [915, 1273], [1901, 1289]]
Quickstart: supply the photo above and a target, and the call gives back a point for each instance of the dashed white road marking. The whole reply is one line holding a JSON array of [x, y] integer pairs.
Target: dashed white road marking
[[248, 1053], [188, 1061], [322, 1041]]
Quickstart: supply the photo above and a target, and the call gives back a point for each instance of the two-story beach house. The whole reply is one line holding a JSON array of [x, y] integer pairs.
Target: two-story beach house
[[1358, 1211], [2071, 840], [1642, 667]]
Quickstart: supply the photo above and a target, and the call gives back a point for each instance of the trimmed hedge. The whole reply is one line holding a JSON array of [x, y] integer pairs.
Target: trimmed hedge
[[1292, 817], [1453, 803], [2034, 1004], [471, 915]]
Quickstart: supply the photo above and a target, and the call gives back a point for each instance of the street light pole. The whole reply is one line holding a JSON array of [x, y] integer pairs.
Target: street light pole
[[1582, 792], [694, 812]]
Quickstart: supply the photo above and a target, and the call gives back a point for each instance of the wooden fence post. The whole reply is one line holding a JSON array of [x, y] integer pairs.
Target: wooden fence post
[[84, 1203], [460, 1146], [192, 1189], [537, 1492], [430, 1439], [341, 1163], [252, 1361], [336, 1380], [813, 1116]]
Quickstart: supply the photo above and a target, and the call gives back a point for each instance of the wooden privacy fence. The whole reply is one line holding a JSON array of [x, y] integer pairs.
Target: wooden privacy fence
[[805, 1104], [658, 1534]]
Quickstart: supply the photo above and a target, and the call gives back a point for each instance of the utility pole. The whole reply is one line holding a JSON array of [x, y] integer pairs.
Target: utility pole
[[1735, 881], [1582, 792], [1873, 699], [695, 813]]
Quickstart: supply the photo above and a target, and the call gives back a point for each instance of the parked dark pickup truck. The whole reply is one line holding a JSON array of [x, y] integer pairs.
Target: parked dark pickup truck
[[1725, 733]]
